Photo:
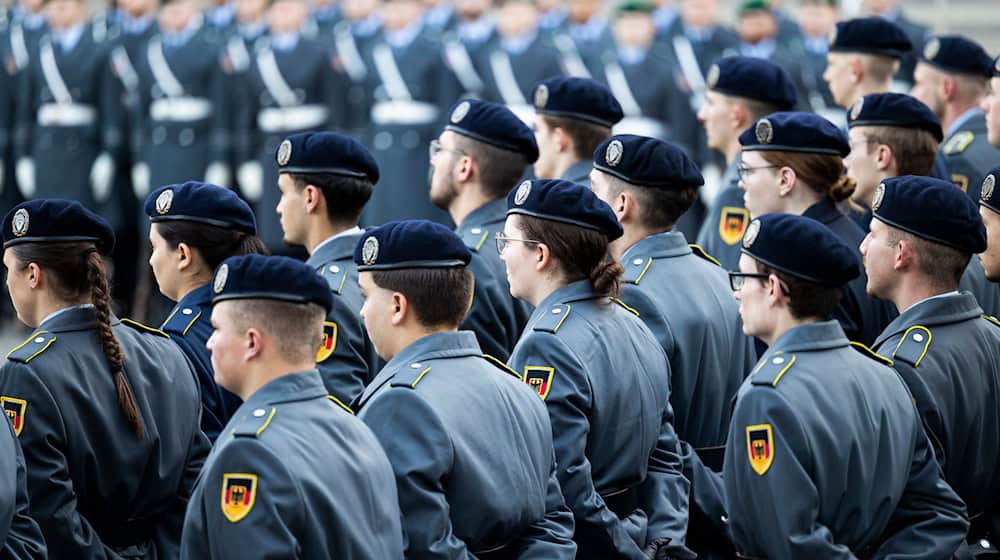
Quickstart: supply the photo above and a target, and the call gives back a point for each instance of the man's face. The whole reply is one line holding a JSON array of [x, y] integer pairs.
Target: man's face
[[991, 104], [228, 345], [287, 16], [444, 156], [63, 14], [397, 14], [756, 26], [862, 164], [717, 118], [817, 19], [634, 30], [753, 299], [927, 87], [377, 312], [292, 210], [517, 18], [839, 77], [878, 253], [990, 259], [548, 149]]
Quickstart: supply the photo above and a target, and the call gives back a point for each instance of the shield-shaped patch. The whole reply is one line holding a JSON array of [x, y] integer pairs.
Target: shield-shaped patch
[[239, 492], [329, 342], [732, 224], [760, 447], [15, 409], [539, 378]]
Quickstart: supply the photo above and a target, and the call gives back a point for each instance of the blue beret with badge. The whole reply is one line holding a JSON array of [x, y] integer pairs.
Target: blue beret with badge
[[647, 162], [957, 55], [894, 109], [871, 35], [577, 98], [55, 220], [410, 244], [801, 247], [753, 78], [564, 201], [493, 124], [270, 277], [328, 153], [806, 133], [931, 209], [988, 195], [201, 202]]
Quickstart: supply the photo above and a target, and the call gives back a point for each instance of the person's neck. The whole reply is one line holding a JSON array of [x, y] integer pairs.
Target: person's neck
[[323, 230], [466, 202], [405, 336], [633, 233], [783, 322], [952, 111], [47, 306], [192, 283], [800, 199], [543, 288], [266, 372], [911, 290], [563, 163], [733, 148], [867, 88]]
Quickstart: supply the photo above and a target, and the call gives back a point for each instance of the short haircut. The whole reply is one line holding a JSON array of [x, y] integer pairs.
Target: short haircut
[[439, 297], [805, 299], [586, 136], [879, 68], [499, 169], [912, 149], [943, 266], [972, 88], [345, 196], [659, 209], [755, 107], [297, 328]]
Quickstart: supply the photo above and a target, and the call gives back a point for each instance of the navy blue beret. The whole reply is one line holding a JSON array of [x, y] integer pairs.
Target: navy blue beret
[[894, 109], [988, 195], [806, 133], [493, 124], [801, 247], [931, 209], [647, 162], [270, 277], [410, 244], [996, 67], [326, 152], [566, 202], [54, 220], [577, 98], [753, 78], [871, 35], [958, 55], [201, 202]]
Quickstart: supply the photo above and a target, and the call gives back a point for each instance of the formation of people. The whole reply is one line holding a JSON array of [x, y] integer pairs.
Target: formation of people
[[563, 373]]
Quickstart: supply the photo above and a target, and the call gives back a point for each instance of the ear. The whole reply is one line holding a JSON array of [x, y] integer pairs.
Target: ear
[[185, 256], [400, 309], [738, 117], [857, 70], [786, 181], [465, 169], [543, 257], [775, 294], [563, 141], [36, 277], [625, 206], [253, 344], [904, 256], [883, 157], [948, 87], [313, 198]]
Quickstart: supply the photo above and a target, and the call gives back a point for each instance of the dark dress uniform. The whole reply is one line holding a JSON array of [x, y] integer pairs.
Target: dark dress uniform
[[582, 46], [314, 481], [918, 35], [968, 154], [827, 458], [644, 87], [512, 68], [352, 55], [477, 485], [96, 488]]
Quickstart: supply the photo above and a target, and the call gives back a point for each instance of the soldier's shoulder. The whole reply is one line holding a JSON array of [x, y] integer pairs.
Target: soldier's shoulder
[[771, 371], [476, 238], [143, 329], [35, 345], [867, 352], [913, 345], [256, 423], [958, 143], [553, 318], [336, 274], [181, 320]]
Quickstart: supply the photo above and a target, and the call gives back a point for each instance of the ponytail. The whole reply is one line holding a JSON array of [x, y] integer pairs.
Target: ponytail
[[607, 277]]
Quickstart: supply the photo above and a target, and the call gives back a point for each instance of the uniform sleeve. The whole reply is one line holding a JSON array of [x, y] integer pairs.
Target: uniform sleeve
[[170, 524], [52, 498], [773, 514], [569, 402], [664, 493], [345, 373], [930, 520], [551, 538], [421, 456], [24, 537], [929, 409], [264, 512]]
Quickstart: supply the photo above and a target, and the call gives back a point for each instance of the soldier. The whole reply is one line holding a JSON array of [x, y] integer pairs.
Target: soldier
[[416, 285], [817, 19], [922, 236], [220, 17], [991, 106], [759, 31], [812, 407], [574, 116], [989, 210], [952, 78], [194, 227], [352, 39], [294, 473], [465, 48], [741, 90], [584, 39], [863, 55], [649, 183], [324, 15], [552, 16], [793, 163], [439, 16], [106, 410], [519, 58], [21, 538], [294, 88], [600, 371], [918, 35], [325, 180], [482, 152], [411, 88]]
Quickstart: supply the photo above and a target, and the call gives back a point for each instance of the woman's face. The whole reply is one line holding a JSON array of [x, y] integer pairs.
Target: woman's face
[[760, 183], [19, 288], [521, 259], [163, 261]]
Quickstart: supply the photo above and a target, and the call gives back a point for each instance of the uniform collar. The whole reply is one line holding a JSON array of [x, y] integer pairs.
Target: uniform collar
[[574, 291], [812, 336], [67, 39], [450, 344], [949, 308], [965, 117], [136, 25], [519, 43], [404, 37], [632, 55], [198, 297], [298, 386], [494, 211], [824, 212], [366, 27], [589, 31], [75, 318], [338, 247], [578, 171], [477, 31], [659, 245]]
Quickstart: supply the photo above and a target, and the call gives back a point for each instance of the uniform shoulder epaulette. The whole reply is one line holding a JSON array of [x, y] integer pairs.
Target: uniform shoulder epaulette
[[913, 346], [636, 268], [31, 348], [551, 320], [335, 275], [255, 424], [143, 328], [771, 371], [958, 143], [624, 305], [871, 353], [180, 320], [475, 238], [502, 366], [338, 402], [701, 252], [991, 319], [410, 376]]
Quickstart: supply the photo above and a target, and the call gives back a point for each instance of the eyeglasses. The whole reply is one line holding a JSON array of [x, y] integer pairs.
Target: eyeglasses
[[737, 279], [743, 171], [436, 148], [502, 241]]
